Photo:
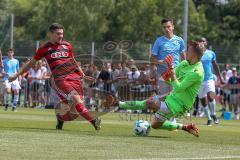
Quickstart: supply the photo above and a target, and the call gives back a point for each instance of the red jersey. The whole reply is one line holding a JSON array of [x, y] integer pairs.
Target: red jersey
[[60, 59], [55, 55]]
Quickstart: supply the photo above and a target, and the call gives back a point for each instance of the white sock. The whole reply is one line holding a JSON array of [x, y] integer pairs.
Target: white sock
[[212, 106], [206, 111], [15, 100], [7, 98]]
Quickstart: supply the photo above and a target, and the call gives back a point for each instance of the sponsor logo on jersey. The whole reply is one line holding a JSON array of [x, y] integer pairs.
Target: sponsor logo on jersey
[[59, 54]]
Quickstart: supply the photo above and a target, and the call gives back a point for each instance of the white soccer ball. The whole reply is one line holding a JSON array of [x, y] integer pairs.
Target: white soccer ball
[[141, 128]]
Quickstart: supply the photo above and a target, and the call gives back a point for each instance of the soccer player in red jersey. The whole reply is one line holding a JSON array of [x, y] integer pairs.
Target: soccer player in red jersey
[[66, 75]]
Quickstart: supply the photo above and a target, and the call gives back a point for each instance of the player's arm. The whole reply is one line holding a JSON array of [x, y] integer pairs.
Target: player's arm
[[188, 81], [154, 60], [182, 50], [217, 70], [183, 56], [24, 69], [155, 52]]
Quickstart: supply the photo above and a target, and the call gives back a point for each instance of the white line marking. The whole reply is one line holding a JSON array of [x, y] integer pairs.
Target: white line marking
[[200, 158]]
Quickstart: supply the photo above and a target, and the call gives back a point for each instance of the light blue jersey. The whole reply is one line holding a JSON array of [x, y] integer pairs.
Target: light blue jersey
[[10, 66], [207, 59], [164, 46]]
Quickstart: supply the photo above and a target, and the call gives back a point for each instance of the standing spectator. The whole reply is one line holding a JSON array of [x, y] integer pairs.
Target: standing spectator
[[11, 67], [228, 70], [164, 46], [130, 63], [123, 73], [105, 79], [151, 78], [35, 75], [233, 82], [224, 93], [25, 86], [207, 91], [151, 75], [115, 74], [42, 85], [133, 75]]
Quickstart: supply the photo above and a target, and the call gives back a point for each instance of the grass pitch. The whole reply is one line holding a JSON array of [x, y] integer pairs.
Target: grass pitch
[[30, 134]]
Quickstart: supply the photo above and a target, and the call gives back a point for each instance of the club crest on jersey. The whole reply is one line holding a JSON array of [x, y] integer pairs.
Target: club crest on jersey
[[175, 43], [65, 47]]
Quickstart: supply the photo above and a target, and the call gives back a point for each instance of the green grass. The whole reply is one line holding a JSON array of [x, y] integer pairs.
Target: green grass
[[30, 134]]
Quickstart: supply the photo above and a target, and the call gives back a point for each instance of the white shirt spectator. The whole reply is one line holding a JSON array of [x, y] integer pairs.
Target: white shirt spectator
[[229, 73], [43, 71], [35, 75], [133, 75]]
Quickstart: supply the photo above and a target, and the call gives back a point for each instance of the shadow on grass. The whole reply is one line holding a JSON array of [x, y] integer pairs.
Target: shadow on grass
[[158, 137], [28, 128]]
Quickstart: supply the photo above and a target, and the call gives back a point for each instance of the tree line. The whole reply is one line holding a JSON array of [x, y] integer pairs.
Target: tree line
[[116, 20]]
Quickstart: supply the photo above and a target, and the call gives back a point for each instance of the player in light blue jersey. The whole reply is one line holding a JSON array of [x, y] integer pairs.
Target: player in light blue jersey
[[163, 46], [11, 67], [207, 90]]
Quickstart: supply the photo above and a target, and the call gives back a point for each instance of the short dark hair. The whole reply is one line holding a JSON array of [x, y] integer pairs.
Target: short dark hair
[[165, 20], [55, 26], [198, 49], [11, 49], [202, 39]]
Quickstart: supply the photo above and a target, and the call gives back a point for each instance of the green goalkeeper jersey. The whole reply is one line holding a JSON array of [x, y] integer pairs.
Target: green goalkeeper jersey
[[185, 87]]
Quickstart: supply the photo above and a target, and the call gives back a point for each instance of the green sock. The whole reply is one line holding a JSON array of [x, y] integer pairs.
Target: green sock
[[171, 125], [133, 105]]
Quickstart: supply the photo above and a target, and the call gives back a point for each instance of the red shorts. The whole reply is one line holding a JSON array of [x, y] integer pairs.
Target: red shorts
[[68, 85]]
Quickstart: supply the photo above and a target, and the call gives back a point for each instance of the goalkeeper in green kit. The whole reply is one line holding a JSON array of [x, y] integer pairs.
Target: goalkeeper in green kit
[[186, 80]]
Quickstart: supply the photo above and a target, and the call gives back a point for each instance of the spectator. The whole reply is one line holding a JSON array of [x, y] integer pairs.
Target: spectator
[[151, 75], [233, 82], [228, 70], [224, 93], [42, 84], [105, 79], [133, 75], [35, 75], [130, 63]]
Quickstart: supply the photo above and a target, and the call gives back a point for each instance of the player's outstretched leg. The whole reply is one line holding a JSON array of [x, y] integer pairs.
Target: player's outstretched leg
[[168, 125], [84, 112], [192, 129], [110, 101]]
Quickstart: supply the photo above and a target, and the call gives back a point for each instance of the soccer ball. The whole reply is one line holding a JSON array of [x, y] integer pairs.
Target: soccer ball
[[141, 128]]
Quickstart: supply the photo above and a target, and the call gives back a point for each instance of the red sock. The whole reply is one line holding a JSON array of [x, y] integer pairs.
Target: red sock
[[83, 111], [68, 116]]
